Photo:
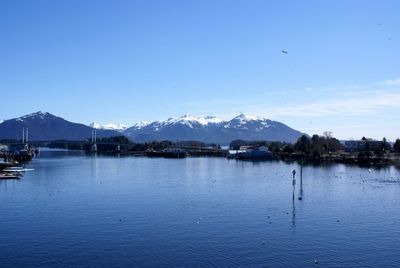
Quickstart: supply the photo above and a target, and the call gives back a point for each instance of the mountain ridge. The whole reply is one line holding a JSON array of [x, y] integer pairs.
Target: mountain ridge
[[214, 130], [43, 126], [210, 129]]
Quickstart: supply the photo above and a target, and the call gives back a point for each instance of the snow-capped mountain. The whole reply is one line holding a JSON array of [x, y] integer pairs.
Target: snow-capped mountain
[[192, 121], [110, 126], [243, 121], [140, 124], [212, 129], [44, 126], [34, 116]]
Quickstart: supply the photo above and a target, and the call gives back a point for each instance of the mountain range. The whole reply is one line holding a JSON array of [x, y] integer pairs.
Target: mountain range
[[45, 126], [212, 129]]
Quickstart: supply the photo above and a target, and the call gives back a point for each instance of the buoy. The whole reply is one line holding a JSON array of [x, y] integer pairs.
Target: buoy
[[316, 262]]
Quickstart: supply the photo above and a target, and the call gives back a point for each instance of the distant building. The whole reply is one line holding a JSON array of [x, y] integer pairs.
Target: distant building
[[363, 145]]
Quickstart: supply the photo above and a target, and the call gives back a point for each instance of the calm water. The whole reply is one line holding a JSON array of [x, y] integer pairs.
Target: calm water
[[75, 210]]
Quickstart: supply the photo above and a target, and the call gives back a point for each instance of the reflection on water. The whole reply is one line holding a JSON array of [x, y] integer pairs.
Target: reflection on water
[[80, 210]]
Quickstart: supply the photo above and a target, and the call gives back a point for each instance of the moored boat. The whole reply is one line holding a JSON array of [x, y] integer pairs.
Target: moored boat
[[5, 176], [18, 169], [258, 153]]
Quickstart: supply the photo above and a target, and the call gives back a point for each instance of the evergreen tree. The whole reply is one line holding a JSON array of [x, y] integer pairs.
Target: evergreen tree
[[396, 146], [303, 144], [385, 146]]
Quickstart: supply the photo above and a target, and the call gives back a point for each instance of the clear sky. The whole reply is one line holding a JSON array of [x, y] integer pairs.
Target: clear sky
[[126, 61]]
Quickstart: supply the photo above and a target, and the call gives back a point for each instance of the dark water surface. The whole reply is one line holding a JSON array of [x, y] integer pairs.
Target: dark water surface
[[81, 211]]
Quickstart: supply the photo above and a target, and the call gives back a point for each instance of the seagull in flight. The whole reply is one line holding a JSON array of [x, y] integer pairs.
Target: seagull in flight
[[283, 51]]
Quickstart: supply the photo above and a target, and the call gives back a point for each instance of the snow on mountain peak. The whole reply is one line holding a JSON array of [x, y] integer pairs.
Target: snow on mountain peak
[[39, 114], [189, 120], [141, 124], [213, 119], [34, 116], [242, 120], [244, 117], [110, 126]]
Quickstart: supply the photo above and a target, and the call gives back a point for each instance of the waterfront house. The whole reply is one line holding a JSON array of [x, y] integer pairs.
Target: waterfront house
[[362, 145]]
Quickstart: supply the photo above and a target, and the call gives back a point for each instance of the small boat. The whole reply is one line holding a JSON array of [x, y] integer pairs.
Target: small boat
[[233, 154], [17, 169], [258, 153], [5, 176]]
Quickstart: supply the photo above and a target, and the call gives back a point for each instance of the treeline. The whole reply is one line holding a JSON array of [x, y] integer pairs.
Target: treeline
[[123, 144], [371, 148], [61, 144], [109, 144], [160, 145], [316, 146]]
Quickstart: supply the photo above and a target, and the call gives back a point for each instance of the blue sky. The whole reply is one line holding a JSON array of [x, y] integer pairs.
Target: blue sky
[[126, 61]]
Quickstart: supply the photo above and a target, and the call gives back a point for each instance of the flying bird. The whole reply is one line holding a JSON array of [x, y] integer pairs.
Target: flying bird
[[283, 51]]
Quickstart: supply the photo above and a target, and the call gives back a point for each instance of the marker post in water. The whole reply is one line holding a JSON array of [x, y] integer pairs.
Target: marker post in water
[[301, 180], [293, 205], [294, 181]]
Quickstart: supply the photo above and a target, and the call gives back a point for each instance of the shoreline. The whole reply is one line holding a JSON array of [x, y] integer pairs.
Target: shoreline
[[390, 159]]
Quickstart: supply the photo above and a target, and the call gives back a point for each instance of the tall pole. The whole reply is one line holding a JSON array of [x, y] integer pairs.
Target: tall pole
[[294, 181], [23, 135], [293, 213], [27, 135], [293, 205], [294, 186], [301, 180], [301, 173]]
